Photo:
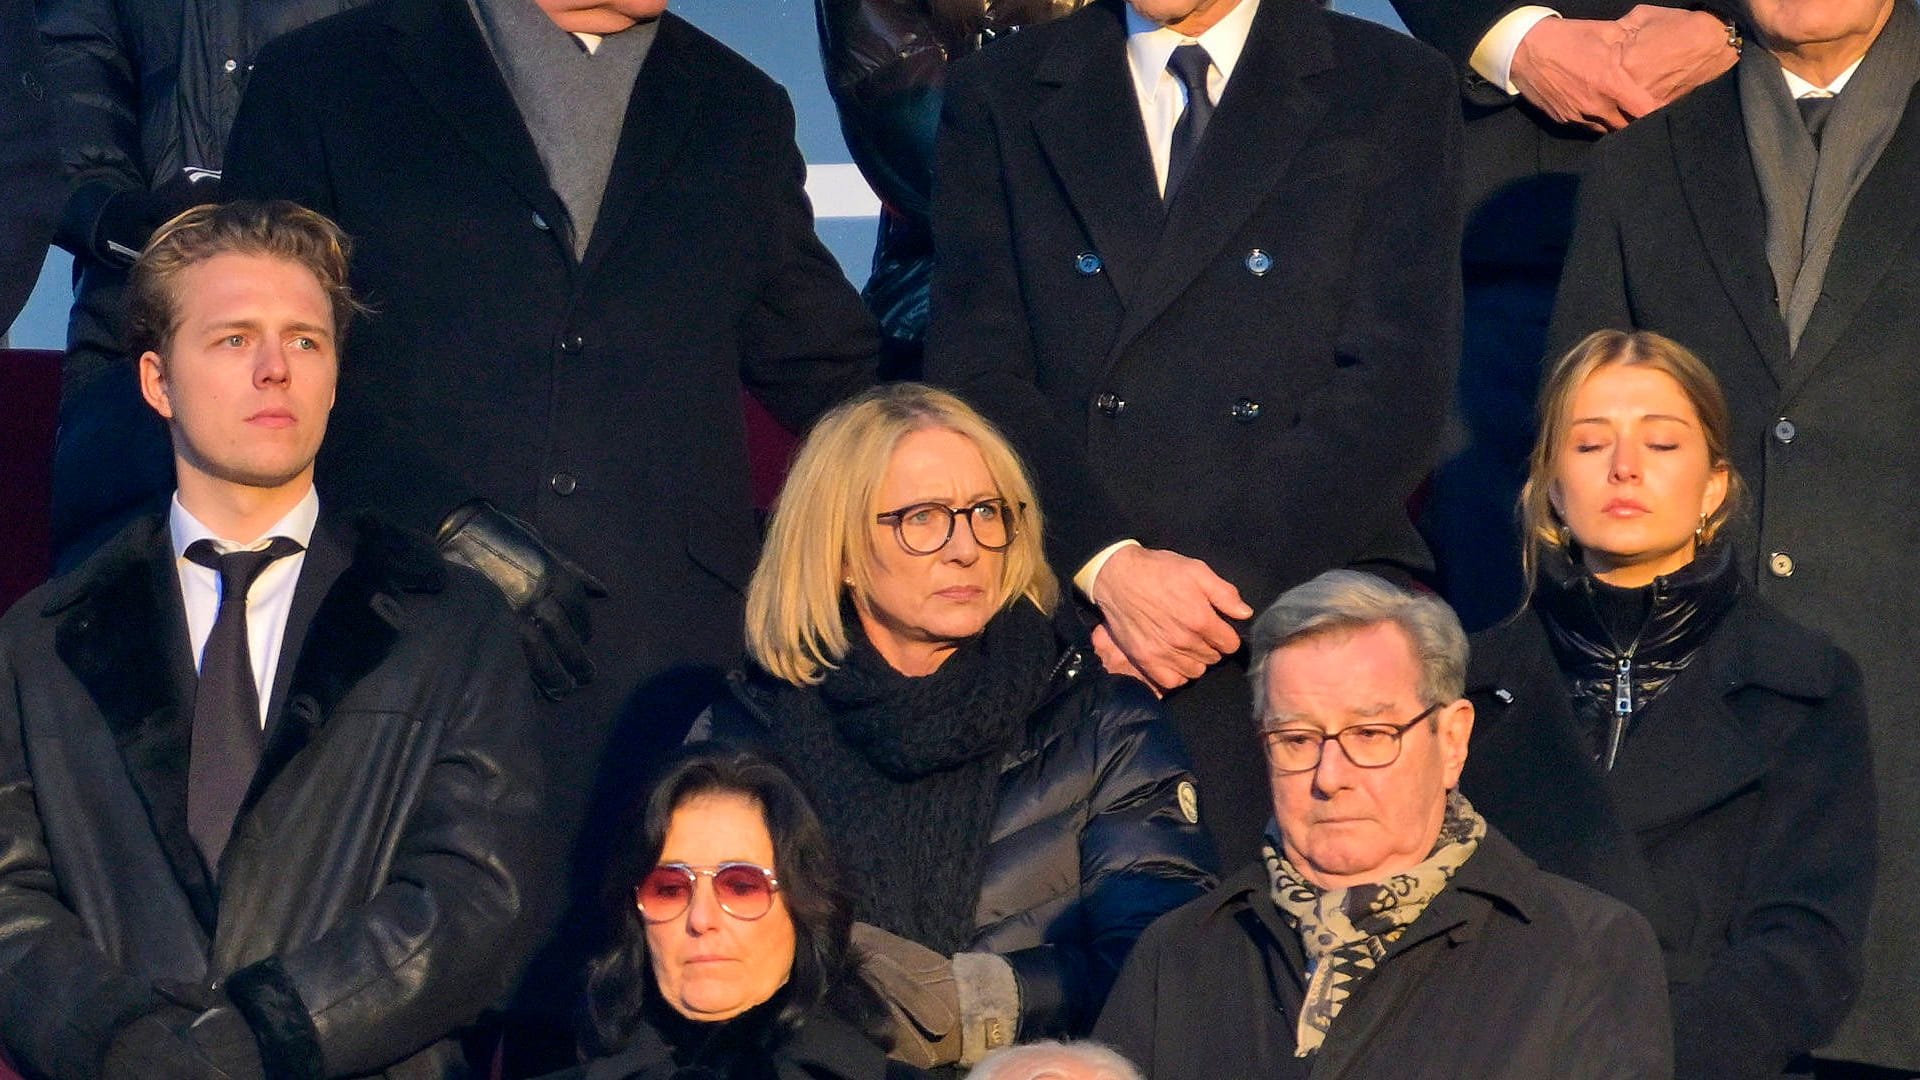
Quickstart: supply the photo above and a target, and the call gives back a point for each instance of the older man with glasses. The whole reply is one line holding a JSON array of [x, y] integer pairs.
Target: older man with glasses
[[1390, 931]]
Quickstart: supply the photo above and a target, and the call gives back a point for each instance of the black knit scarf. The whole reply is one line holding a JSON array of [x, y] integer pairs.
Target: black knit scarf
[[904, 770]]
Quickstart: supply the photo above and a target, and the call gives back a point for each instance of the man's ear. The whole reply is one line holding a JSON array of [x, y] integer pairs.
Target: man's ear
[[153, 383], [1454, 726]]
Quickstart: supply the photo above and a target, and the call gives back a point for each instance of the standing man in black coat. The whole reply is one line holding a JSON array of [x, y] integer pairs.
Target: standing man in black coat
[[29, 165], [1766, 223], [1538, 84], [1221, 328], [269, 801], [582, 231]]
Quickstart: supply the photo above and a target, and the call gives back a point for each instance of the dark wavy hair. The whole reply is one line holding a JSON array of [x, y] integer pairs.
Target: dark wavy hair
[[620, 981]]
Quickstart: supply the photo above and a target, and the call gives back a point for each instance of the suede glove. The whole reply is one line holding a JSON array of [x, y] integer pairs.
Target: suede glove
[[544, 588], [923, 1000], [175, 1043]]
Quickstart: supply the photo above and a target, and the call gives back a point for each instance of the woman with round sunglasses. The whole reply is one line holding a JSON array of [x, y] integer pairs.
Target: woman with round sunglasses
[[732, 957], [1650, 726], [1012, 816]]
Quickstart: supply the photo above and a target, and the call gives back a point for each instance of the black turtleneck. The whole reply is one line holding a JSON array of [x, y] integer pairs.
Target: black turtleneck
[[1620, 648]]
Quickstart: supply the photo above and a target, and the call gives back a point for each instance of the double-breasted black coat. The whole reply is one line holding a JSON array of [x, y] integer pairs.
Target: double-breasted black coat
[[1255, 375], [1738, 818], [373, 898], [599, 399], [1671, 236], [1509, 974]]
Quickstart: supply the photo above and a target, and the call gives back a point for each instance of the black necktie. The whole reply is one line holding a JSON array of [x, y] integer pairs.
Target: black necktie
[[226, 707], [1189, 64], [1815, 110]]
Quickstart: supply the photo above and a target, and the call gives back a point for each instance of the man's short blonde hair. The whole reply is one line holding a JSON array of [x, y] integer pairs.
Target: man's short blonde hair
[[821, 537]]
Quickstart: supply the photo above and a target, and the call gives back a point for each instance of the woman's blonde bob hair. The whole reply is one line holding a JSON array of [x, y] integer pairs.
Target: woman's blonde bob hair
[[1541, 528], [821, 538]]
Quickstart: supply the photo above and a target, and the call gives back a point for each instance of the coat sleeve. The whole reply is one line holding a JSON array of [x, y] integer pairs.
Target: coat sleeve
[[90, 71], [61, 998], [1130, 1019], [978, 338], [885, 67], [29, 164], [1792, 961], [1616, 1026], [1140, 857], [1593, 282], [807, 342], [446, 935], [1455, 27]]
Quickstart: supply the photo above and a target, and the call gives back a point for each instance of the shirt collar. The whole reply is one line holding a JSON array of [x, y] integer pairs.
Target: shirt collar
[[1798, 87], [297, 525], [1150, 44]]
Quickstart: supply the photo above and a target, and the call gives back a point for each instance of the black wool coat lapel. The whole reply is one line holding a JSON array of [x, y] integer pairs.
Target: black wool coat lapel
[[1096, 143]]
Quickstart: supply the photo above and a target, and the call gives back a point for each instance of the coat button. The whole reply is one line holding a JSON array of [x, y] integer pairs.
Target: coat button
[[572, 343], [1110, 404], [540, 222], [1259, 262], [1087, 263], [1784, 430], [1780, 564], [1245, 410], [563, 483]]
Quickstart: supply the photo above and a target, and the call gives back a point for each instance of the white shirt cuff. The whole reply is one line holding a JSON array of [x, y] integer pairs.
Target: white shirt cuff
[[1083, 580], [1492, 59]]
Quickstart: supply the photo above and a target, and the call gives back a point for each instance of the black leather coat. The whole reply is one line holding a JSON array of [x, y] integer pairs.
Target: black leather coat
[[374, 896], [1739, 818], [1092, 837]]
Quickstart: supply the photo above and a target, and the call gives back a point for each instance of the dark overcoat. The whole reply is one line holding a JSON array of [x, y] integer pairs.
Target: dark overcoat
[[1738, 819], [1255, 375], [1671, 237], [372, 899], [29, 160], [1509, 974], [599, 399]]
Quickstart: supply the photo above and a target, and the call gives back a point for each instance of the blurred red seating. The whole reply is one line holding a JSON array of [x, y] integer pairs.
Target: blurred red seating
[[29, 407]]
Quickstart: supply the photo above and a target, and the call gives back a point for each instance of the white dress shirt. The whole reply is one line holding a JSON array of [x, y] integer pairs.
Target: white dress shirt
[[1798, 87], [1492, 59], [1162, 97], [268, 602]]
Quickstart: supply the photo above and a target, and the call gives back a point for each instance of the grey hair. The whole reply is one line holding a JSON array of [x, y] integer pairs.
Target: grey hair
[[1341, 601], [1048, 1059]]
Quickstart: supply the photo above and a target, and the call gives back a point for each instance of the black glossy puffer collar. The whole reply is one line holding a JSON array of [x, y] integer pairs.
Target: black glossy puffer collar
[[1614, 680]]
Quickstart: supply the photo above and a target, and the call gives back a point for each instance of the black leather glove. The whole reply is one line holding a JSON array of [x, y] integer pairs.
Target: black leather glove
[[923, 1001], [546, 590], [127, 218], [176, 1043]]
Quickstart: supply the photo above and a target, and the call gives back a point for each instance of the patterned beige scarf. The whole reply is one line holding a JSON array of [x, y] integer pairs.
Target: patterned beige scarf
[[1347, 931]]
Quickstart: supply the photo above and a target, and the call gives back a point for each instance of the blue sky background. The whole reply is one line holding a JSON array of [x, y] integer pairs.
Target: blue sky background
[[778, 35]]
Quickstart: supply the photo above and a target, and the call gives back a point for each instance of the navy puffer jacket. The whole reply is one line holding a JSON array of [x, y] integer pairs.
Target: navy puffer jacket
[[1095, 835]]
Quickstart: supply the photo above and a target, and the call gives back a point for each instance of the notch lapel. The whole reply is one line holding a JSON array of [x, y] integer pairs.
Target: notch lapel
[[1270, 108], [1878, 229], [125, 640], [440, 48], [1092, 135], [1717, 181], [667, 102]]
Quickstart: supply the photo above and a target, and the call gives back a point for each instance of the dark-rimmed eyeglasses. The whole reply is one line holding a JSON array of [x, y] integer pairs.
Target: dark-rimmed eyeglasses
[[1370, 746], [745, 890], [925, 528]]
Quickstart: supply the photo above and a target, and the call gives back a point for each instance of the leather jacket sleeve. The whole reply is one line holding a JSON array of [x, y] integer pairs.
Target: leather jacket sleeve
[[1141, 856]]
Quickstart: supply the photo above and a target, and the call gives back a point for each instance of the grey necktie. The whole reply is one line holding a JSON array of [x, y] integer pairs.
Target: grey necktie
[[1815, 110], [1189, 64], [226, 705]]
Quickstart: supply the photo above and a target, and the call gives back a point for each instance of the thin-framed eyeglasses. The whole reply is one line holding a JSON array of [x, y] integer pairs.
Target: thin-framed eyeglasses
[[925, 528], [1370, 746], [745, 890]]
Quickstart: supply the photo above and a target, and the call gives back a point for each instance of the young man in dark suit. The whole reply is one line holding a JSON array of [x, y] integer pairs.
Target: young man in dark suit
[[269, 799], [1766, 222], [1220, 325]]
